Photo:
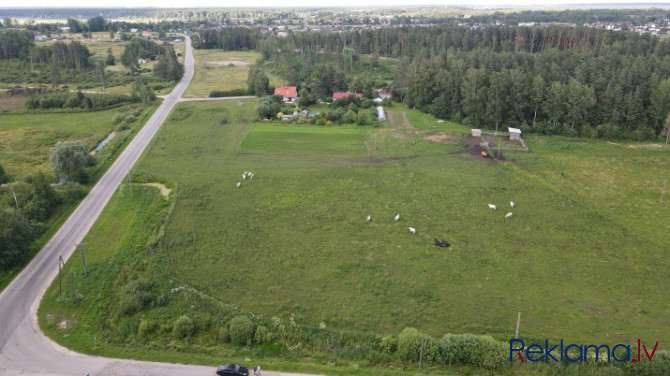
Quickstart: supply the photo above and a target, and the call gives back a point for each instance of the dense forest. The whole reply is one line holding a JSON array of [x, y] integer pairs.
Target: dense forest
[[556, 80]]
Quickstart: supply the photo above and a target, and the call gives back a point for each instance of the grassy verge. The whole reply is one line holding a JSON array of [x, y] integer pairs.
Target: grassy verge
[[105, 157]]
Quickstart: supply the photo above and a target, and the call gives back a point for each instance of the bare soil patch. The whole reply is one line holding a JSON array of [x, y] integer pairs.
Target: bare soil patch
[[479, 152], [235, 62], [366, 160], [165, 191], [441, 137], [655, 146]]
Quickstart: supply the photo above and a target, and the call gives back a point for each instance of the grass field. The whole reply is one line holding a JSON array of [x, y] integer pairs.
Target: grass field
[[222, 70], [583, 258], [26, 138]]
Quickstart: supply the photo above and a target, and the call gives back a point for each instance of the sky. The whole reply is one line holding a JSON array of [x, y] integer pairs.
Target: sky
[[312, 3]]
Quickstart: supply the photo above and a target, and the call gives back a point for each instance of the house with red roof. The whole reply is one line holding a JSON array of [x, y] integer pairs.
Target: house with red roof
[[345, 94], [288, 93]]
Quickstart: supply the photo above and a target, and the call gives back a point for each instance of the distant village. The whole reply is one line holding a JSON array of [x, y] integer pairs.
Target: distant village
[[282, 27]]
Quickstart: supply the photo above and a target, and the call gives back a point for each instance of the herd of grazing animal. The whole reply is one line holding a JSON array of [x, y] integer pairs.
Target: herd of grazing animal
[[245, 175], [509, 214], [412, 230], [438, 242], [250, 175]]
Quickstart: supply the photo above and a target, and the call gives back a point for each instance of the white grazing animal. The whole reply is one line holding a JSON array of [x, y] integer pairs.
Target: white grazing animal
[[244, 176], [368, 219], [251, 175], [397, 217], [412, 230], [238, 184], [511, 203], [492, 207], [508, 215]]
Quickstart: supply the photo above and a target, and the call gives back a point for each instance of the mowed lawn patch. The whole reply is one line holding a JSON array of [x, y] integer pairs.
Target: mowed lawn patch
[[222, 71], [298, 233]]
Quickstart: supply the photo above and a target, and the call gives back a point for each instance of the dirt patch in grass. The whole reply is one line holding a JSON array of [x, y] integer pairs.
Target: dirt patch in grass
[[442, 137], [655, 146], [366, 160], [399, 136], [9, 102], [235, 62], [478, 152], [165, 191]]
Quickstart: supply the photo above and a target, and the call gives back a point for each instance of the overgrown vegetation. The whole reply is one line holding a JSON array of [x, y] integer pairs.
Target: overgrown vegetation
[[39, 149]]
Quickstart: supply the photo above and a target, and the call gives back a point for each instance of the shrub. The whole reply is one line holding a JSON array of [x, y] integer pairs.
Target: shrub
[[145, 328], [409, 344], [118, 118], [459, 348], [241, 330], [224, 335], [135, 296], [71, 192], [491, 353], [388, 345], [183, 327], [263, 335], [228, 93], [130, 120]]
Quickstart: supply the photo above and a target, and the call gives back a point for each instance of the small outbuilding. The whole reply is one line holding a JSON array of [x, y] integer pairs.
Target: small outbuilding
[[380, 113], [514, 133], [476, 132]]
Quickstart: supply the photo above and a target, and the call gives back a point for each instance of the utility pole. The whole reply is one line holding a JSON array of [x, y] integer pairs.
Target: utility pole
[[663, 192], [60, 278], [421, 356], [83, 259], [130, 188], [518, 321], [15, 200], [61, 266]]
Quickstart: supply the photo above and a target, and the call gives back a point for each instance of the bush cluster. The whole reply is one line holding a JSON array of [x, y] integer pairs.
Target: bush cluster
[[65, 99], [135, 296], [228, 93]]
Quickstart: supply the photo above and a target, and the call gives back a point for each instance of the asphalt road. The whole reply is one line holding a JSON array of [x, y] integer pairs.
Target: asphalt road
[[24, 350]]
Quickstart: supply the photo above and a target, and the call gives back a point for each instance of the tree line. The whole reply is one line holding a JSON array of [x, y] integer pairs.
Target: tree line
[[229, 39], [558, 80]]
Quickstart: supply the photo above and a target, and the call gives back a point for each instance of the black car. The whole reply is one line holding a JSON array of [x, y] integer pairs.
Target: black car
[[232, 370]]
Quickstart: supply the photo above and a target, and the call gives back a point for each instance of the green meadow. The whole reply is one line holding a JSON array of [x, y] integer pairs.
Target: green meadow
[[222, 70], [26, 138], [583, 258]]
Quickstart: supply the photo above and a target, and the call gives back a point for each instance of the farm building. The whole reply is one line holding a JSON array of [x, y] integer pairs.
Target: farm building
[[345, 94], [380, 113], [476, 132], [288, 93], [514, 133]]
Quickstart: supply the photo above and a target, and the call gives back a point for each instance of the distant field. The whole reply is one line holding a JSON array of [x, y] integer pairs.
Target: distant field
[[584, 256], [221, 70], [98, 47]]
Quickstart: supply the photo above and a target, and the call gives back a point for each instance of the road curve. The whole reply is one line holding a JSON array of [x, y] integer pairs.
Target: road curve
[[24, 350]]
